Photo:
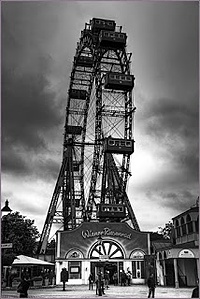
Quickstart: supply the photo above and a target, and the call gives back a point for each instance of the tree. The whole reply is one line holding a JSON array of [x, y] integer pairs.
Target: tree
[[19, 231], [167, 230]]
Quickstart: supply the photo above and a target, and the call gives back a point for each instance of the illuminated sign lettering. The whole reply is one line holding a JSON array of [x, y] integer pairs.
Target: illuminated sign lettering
[[105, 232]]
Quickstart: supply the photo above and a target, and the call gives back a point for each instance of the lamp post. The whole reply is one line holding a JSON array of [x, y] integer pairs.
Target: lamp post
[[99, 283]]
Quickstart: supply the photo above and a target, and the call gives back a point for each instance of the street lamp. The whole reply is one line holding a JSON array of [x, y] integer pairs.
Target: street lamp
[[99, 282]]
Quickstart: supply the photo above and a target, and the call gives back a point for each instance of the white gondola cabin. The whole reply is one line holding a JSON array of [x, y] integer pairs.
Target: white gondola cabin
[[119, 81]]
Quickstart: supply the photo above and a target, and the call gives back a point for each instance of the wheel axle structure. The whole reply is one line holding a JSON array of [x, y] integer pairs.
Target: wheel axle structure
[[98, 134]]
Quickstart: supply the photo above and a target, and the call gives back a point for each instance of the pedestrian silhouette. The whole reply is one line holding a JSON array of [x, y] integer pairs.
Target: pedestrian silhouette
[[91, 281], [128, 274], [151, 284], [115, 279], [23, 287], [64, 277], [123, 278]]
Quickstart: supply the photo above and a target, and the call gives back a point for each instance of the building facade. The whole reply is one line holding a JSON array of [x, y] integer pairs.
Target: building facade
[[178, 260], [121, 248]]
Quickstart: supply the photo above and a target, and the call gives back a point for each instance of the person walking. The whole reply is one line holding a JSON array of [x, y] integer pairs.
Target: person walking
[[23, 287], [123, 278], [106, 276], [96, 283], [99, 281], [115, 279], [90, 281], [151, 285], [64, 277], [128, 274]]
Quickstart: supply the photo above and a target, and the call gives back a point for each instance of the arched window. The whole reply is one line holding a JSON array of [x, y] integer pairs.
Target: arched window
[[108, 249], [189, 224], [178, 231], [183, 225]]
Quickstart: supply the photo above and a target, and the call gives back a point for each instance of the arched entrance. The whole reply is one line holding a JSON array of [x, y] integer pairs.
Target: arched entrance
[[138, 266], [110, 254]]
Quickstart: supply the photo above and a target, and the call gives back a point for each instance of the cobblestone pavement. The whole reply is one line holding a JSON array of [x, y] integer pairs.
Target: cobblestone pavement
[[81, 291]]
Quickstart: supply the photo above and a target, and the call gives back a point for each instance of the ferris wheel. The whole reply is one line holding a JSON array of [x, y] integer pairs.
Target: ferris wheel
[[98, 135]]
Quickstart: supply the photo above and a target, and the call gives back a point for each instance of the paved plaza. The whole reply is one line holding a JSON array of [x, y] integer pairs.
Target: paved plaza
[[82, 291]]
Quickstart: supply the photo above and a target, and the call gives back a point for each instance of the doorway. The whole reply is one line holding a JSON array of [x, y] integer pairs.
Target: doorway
[[170, 275], [110, 267]]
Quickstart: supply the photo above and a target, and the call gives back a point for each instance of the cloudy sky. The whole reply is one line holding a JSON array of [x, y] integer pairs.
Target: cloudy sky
[[38, 45]]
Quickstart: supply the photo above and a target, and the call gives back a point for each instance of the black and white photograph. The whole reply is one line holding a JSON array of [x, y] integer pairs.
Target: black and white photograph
[[100, 149]]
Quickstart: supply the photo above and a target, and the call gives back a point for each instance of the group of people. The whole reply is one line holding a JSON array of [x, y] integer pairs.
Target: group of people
[[126, 278], [101, 281]]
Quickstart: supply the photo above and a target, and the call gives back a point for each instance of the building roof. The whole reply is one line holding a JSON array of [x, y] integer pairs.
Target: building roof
[[162, 244], [27, 260]]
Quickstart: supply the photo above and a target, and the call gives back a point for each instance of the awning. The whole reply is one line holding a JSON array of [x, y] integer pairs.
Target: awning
[[27, 260]]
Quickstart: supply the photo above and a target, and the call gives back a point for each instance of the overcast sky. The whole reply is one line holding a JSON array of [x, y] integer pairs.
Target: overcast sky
[[38, 45]]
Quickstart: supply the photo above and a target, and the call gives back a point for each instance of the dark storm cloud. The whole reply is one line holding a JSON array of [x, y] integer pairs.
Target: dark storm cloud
[[28, 113], [27, 109], [30, 109], [47, 169], [11, 162], [175, 126], [178, 201], [18, 162], [173, 117]]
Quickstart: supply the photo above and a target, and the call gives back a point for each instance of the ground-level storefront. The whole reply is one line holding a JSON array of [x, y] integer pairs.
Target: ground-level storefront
[[178, 267], [121, 248]]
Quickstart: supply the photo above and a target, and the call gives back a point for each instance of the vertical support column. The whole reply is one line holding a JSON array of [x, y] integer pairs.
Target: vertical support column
[[58, 245], [197, 262], [176, 274], [149, 243], [194, 226], [164, 272]]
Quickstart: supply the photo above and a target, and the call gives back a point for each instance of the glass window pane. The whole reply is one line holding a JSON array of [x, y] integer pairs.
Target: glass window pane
[[134, 269], [142, 270]]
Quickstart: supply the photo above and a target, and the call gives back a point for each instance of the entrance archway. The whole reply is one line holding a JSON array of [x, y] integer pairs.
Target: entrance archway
[[109, 250], [112, 255]]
